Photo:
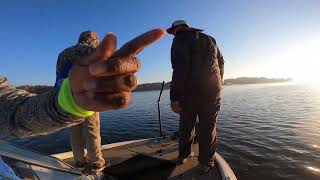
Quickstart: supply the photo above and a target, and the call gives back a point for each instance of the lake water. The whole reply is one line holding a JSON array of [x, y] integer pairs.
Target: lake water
[[266, 131]]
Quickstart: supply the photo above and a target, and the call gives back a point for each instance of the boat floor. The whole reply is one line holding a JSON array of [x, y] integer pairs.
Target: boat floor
[[164, 149]]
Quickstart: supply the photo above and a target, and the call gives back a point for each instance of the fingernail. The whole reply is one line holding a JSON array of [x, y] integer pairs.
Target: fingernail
[[121, 101], [96, 69], [91, 84], [128, 81]]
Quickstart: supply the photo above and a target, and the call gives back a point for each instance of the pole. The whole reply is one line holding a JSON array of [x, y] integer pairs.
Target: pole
[[159, 114]]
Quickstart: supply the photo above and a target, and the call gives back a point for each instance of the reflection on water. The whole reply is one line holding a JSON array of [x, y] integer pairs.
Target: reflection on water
[[265, 131], [315, 146], [313, 169]]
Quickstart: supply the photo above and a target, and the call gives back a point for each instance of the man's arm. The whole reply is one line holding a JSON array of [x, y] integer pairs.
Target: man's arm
[[180, 55], [221, 63], [93, 84], [64, 64], [63, 60], [219, 57], [59, 70], [24, 114]]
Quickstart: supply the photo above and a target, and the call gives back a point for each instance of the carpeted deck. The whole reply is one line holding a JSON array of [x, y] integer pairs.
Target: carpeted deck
[[147, 157]]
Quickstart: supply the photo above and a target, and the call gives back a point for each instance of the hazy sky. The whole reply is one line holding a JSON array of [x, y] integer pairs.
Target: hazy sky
[[272, 38]]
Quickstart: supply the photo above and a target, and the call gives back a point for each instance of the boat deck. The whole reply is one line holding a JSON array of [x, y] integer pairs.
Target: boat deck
[[161, 149]]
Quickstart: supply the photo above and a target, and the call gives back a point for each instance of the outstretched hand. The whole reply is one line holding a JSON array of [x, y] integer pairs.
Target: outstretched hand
[[104, 80]]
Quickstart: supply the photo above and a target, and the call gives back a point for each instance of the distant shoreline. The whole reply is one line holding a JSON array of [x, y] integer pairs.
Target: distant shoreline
[[39, 89], [227, 82]]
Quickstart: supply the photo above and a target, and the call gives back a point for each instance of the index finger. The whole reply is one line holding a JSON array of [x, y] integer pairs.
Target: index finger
[[136, 45]]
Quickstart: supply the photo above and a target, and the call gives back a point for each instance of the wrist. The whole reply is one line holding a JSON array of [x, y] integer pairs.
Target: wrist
[[67, 102]]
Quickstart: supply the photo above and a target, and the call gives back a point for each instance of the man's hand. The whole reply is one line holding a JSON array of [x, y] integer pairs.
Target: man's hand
[[175, 106], [104, 80]]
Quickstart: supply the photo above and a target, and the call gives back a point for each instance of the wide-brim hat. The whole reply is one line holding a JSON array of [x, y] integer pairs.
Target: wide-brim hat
[[181, 22]]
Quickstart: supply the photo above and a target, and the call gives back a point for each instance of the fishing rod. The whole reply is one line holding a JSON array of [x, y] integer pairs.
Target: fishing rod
[[159, 113]]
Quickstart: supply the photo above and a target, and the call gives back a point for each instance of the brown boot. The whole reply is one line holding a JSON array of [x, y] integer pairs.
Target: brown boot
[[204, 169], [81, 164], [94, 168], [180, 160]]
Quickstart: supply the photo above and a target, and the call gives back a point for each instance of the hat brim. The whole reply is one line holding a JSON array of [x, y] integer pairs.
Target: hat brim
[[171, 29]]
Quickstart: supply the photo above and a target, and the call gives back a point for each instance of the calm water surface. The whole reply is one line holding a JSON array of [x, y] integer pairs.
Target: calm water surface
[[265, 131]]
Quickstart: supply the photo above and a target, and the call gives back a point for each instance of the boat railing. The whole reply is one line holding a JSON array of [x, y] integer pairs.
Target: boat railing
[[34, 158]]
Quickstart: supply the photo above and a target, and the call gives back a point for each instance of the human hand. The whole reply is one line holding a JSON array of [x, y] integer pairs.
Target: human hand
[[175, 106], [104, 80]]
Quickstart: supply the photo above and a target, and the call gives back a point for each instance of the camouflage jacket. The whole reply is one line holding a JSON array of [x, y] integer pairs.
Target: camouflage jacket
[[66, 60], [24, 114], [87, 43]]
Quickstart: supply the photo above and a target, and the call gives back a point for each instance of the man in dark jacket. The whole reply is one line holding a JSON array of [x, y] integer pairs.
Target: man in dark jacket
[[197, 79]]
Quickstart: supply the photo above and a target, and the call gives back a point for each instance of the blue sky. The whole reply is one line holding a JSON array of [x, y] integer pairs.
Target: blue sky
[[257, 38]]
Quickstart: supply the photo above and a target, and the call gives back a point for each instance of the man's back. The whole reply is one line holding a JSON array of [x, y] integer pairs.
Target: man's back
[[200, 60]]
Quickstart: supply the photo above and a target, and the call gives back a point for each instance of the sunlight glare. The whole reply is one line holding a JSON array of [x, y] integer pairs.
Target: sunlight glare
[[305, 62], [299, 61], [313, 169]]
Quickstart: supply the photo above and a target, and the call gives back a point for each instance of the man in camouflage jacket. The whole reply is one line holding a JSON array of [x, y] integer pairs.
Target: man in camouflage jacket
[[23, 114], [87, 134]]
